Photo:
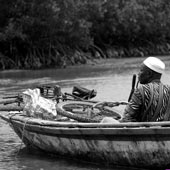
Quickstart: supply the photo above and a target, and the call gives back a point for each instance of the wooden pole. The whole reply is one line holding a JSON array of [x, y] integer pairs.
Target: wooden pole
[[133, 86], [11, 108]]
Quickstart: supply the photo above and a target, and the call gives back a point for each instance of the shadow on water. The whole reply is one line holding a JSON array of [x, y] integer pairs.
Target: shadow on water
[[34, 159]]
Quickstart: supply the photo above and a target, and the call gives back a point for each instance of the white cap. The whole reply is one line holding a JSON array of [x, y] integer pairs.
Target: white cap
[[155, 64]]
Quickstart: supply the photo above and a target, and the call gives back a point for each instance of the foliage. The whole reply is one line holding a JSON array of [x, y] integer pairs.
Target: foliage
[[49, 33]]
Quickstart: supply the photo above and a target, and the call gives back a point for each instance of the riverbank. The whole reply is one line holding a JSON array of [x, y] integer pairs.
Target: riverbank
[[114, 63], [126, 63]]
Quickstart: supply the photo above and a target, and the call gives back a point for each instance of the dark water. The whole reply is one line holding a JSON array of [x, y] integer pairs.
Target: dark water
[[111, 85]]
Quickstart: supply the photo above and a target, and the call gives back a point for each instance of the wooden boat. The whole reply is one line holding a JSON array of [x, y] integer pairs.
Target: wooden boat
[[145, 144]]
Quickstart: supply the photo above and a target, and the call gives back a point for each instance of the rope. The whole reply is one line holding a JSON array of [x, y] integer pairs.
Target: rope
[[22, 137], [10, 117]]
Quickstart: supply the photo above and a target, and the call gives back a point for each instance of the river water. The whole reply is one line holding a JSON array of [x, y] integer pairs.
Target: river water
[[111, 85]]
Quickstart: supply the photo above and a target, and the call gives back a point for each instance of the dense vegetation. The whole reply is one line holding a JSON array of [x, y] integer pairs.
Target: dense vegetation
[[49, 33]]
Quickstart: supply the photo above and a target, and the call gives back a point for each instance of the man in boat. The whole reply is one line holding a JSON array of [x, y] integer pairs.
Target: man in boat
[[151, 100]]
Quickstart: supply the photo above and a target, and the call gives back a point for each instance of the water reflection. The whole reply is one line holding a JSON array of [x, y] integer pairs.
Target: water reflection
[[36, 160]]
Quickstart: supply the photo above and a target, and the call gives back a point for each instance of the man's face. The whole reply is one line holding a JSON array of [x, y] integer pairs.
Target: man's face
[[143, 75]]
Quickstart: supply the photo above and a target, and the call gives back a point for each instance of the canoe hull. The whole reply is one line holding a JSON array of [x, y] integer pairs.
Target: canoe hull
[[135, 147], [111, 151]]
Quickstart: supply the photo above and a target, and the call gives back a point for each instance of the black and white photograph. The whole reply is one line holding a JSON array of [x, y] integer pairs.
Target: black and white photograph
[[84, 85]]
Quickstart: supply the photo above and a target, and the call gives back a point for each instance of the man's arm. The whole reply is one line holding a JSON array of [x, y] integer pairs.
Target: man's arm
[[132, 112]]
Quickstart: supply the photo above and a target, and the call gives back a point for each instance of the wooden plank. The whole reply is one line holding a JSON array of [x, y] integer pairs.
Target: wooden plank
[[92, 125], [36, 121], [95, 131], [11, 108]]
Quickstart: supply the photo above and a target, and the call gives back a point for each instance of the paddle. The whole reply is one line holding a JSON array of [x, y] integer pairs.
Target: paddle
[[133, 86]]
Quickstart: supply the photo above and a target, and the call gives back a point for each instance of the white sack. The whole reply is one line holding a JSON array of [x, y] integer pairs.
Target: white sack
[[37, 106]]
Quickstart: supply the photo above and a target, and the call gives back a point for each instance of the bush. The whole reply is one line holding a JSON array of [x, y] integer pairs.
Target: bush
[[48, 33]]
